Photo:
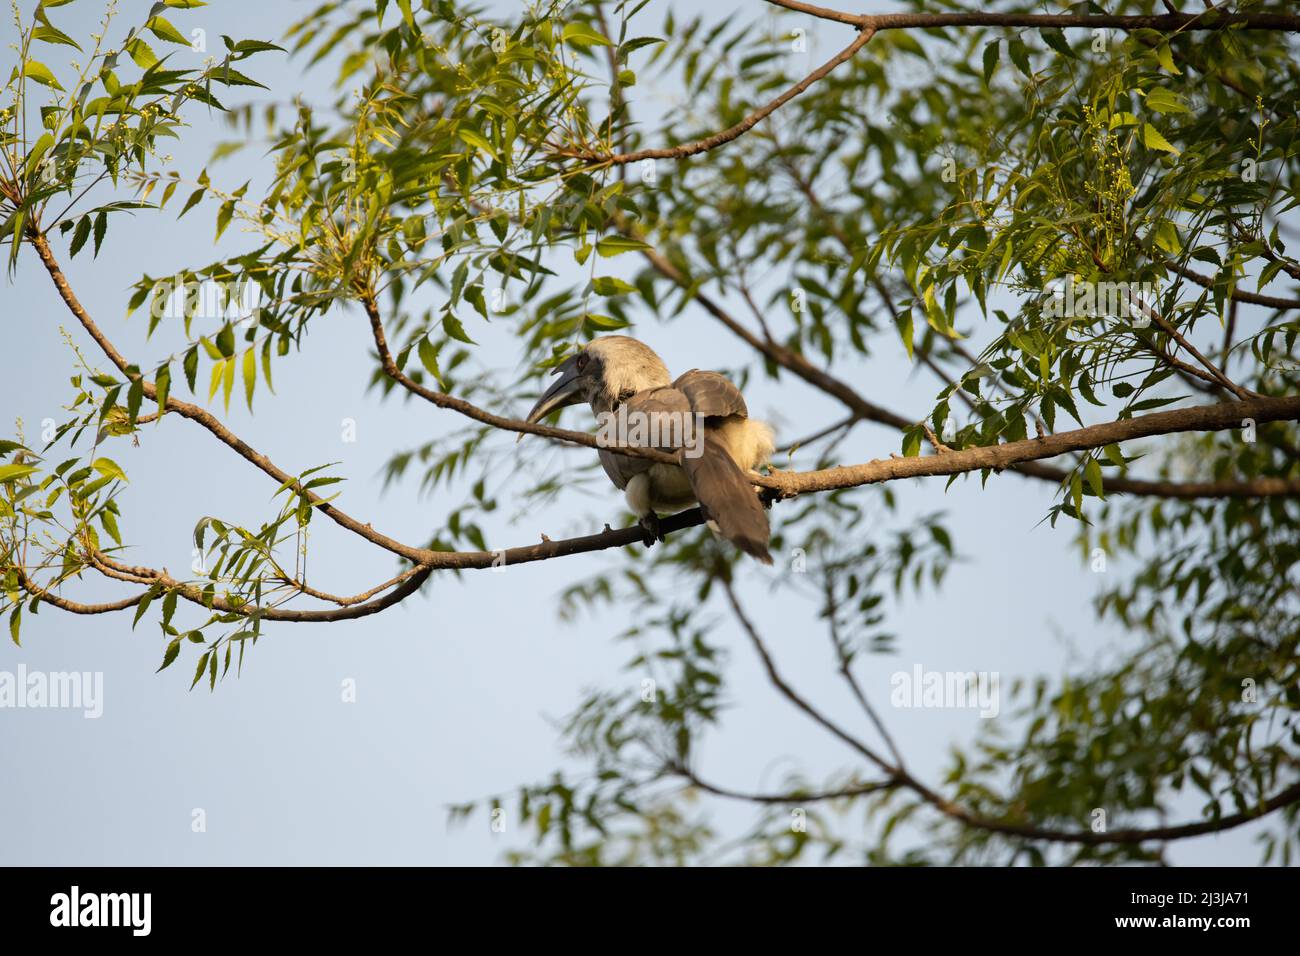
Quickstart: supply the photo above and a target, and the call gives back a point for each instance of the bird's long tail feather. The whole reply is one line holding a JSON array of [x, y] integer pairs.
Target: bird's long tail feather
[[728, 499]]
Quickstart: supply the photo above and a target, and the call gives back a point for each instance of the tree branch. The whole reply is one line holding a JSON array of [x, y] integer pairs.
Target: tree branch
[[1197, 418], [1238, 295], [868, 25], [469, 410], [1165, 23], [869, 411], [205, 418], [901, 778], [734, 132]]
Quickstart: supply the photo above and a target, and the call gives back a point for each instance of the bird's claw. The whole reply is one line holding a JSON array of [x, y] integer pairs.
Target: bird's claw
[[651, 529]]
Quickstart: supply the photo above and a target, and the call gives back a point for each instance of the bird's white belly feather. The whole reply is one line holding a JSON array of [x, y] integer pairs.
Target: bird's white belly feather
[[661, 489]]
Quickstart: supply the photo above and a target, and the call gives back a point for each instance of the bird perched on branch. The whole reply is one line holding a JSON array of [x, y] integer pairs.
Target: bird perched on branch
[[700, 417]]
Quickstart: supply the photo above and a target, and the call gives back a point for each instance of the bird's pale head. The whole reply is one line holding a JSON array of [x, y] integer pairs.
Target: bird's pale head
[[603, 373]]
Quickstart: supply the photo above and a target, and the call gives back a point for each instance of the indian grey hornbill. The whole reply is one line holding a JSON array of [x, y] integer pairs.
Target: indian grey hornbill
[[700, 416]]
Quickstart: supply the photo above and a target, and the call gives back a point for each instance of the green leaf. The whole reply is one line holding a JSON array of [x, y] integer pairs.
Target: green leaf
[[608, 285], [906, 332], [10, 473], [452, 326], [603, 323], [108, 468], [1153, 140], [80, 235], [1165, 57], [1019, 54], [1092, 472], [49, 34], [198, 671], [165, 31], [1055, 38], [101, 227], [134, 396], [584, 35], [35, 70], [429, 358], [214, 383], [636, 43], [612, 246], [1165, 101], [227, 382], [992, 53], [163, 384], [190, 365], [39, 149], [109, 521], [912, 442], [476, 140], [224, 215], [173, 651], [15, 622], [250, 377], [193, 201], [141, 53]]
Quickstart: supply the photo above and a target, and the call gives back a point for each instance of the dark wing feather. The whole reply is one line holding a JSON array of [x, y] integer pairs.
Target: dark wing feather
[[652, 401], [711, 394], [729, 499]]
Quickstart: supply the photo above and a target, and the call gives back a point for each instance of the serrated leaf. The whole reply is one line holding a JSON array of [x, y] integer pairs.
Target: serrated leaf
[[1165, 101], [1055, 38], [1165, 57], [13, 472], [906, 331], [141, 53], [584, 35], [612, 246], [429, 358], [108, 468], [163, 30], [453, 327], [193, 201], [250, 377], [992, 53], [49, 34], [1019, 54], [476, 140], [80, 235], [101, 227], [198, 671], [173, 651], [1092, 472], [609, 285], [1152, 139], [162, 384], [38, 71]]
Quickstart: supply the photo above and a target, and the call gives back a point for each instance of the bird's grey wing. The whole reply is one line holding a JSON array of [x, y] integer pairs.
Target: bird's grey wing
[[711, 394], [643, 405], [719, 484], [727, 497]]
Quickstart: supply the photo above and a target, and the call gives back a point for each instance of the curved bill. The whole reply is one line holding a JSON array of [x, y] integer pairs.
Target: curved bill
[[565, 391]]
